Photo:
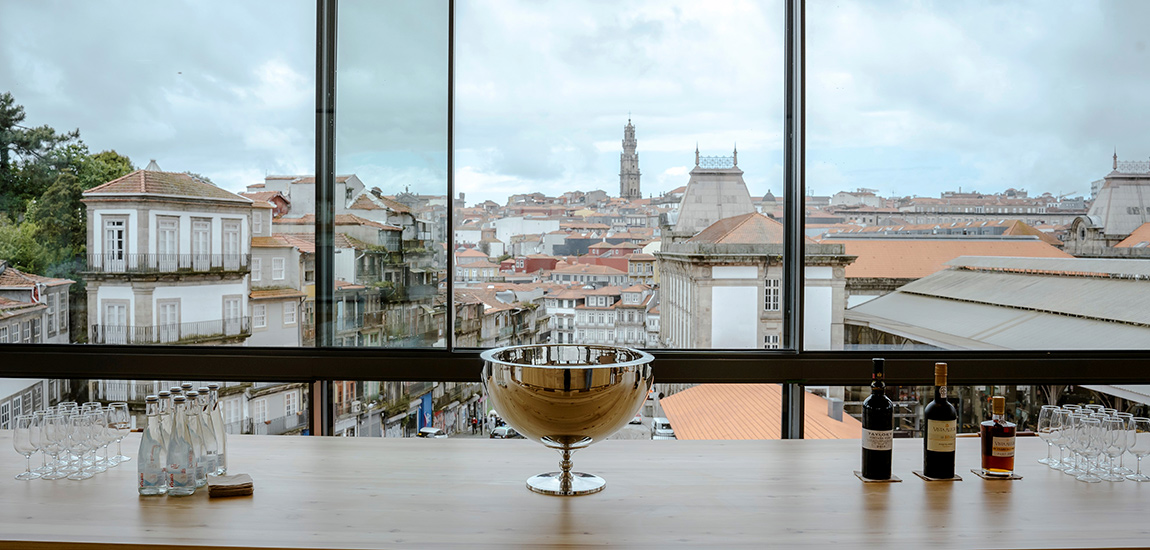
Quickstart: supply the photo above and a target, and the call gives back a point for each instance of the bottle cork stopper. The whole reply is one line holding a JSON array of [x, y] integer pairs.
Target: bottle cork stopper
[[940, 374], [998, 404]]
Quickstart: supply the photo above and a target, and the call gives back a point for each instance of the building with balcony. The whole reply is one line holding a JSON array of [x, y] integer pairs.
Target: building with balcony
[[588, 274], [168, 260], [299, 192], [276, 285], [33, 309], [264, 408], [722, 288]]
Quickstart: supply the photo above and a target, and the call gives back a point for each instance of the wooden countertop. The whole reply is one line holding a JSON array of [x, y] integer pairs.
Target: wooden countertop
[[315, 492]]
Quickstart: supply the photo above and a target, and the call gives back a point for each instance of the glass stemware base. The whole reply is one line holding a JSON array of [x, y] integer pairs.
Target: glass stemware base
[[1089, 478], [27, 476]]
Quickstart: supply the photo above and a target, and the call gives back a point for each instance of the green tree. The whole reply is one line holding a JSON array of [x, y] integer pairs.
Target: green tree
[[20, 247], [28, 157]]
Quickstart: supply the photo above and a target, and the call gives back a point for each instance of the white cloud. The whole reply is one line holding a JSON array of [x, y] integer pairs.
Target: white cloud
[[914, 95]]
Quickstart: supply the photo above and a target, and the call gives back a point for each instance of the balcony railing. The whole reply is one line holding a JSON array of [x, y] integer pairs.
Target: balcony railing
[[168, 263], [373, 318], [180, 333], [274, 426], [130, 391], [421, 292]]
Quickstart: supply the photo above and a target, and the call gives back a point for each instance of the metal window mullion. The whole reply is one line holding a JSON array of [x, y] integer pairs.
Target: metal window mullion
[[325, 72], [449, 321], [793, 213]]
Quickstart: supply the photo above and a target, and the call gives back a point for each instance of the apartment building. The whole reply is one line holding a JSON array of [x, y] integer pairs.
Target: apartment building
[[33, 308], [168, 261]]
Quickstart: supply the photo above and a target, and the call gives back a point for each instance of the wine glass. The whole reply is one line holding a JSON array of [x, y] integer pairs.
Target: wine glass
[[1129, 419], [1140, 446], [78, 441], [1059, 428], [54, 434], [1073, 442], [106, 435], [1091, 439], [1045, 433], [121, 421], [38, 420], [1114, 445], [1100, 465], [25, 438]]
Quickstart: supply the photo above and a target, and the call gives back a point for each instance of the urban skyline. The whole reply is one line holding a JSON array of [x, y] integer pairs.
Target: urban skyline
[[873, 121]]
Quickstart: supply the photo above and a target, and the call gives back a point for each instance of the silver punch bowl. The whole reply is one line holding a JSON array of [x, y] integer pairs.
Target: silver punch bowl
[[566, 397]]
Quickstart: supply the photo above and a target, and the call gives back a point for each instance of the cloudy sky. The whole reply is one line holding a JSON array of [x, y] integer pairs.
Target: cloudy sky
[[907, 97]]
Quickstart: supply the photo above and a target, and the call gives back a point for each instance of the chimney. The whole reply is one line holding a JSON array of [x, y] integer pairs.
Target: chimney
[[835, 408]]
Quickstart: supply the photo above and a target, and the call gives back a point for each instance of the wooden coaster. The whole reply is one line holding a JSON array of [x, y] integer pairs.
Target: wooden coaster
[[978, 472], [893, 478], [924, 478]]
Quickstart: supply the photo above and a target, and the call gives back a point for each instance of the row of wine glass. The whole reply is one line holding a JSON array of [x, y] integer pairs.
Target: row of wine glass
[[1098, 439], [71, 435]]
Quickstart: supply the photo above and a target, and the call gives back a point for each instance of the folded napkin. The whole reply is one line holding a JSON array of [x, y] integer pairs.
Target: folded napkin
[[237, 485]]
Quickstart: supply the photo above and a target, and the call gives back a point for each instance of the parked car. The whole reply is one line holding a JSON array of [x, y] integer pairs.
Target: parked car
[[434, 433], [506, 432], [661, 429]]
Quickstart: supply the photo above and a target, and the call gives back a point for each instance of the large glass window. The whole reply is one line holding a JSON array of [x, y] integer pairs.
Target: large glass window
[[678, 102], [545, 248]]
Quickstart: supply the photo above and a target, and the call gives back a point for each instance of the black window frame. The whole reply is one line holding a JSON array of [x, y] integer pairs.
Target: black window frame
[[790, 365]]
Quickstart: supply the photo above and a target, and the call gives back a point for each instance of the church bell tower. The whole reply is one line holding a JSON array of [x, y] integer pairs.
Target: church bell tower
[[629, 165]]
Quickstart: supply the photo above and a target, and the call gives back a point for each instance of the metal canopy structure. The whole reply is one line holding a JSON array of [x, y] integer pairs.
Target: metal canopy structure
[[1018, 303]]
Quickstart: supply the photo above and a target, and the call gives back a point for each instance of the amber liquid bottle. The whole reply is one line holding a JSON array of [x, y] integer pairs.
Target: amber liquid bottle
[[998, 441]]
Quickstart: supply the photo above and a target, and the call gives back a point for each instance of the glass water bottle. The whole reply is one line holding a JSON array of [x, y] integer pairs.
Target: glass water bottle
[[164, 417], [211, 447], [181, 454], [217, 418], [153, 455], [196, 432]]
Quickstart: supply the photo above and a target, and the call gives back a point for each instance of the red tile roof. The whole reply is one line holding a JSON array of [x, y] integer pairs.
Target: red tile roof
[[1140, 238], [340, 219], [265, 196], [913, 259], [748, 411], [752, 228], [276, 293], [11, 277], [470, 253], [12, 308], [363, 202], [275, 241], [587, 269], [304, 242], [162, 183]]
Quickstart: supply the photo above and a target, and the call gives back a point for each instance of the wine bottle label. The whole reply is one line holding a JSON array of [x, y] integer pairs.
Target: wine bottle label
[[877, 440], [1002, 446], [940, 435]]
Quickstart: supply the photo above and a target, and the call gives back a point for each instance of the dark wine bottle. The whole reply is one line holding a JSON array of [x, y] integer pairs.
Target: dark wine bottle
[[941, 429], [877, 427]]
